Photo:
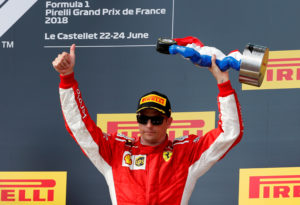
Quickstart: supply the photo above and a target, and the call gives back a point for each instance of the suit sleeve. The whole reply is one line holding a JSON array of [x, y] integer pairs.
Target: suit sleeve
[[214, 145], [95, 144]]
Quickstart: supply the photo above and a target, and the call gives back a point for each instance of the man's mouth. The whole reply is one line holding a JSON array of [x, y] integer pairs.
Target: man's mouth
[[149, 132]]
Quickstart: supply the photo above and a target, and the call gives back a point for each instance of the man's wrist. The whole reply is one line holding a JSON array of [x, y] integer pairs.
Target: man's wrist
[[225, 88], [67, 81], [222, 80]]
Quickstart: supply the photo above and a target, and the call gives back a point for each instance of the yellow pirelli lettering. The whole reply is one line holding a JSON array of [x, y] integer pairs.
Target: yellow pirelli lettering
[[154, 98]]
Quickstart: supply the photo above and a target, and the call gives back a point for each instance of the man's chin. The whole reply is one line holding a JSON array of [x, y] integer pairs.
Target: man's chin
[[149, 137]]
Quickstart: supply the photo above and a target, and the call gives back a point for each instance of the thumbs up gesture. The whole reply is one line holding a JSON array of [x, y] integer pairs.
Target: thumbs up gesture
[[64, 62]]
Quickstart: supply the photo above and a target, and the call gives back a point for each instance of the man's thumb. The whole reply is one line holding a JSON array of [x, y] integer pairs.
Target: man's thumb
[[72, 51], [213, 60]]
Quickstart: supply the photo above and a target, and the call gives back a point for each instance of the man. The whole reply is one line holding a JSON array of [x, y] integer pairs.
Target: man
[[151, 169]]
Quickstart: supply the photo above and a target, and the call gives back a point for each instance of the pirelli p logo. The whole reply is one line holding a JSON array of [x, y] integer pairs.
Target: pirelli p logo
[[270, 186], [184, 123], [283, 71], [20, 188]]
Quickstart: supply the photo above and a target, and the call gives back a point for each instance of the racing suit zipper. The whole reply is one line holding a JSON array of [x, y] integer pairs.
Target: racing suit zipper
[[147, 180]]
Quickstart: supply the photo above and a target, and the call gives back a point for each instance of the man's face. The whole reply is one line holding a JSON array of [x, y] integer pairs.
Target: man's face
[[153, 134]]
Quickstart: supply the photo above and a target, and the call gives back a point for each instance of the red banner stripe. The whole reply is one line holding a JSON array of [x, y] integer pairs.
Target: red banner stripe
[[22, 183], [283, 59], [284, 65]]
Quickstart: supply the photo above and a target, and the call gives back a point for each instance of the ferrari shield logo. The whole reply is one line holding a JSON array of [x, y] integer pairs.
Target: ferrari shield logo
[[167, 155]]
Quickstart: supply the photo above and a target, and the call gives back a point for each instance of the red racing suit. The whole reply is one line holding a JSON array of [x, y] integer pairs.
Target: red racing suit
[[163, 174]]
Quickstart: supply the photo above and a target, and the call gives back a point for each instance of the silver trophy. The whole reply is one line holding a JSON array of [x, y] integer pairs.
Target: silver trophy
[[251, 64]]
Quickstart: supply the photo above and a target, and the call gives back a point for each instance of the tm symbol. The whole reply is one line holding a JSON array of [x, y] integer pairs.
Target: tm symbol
[[7, 44]]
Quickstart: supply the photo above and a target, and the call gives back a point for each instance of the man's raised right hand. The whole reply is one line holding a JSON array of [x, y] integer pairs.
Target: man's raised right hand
[[64, 62]]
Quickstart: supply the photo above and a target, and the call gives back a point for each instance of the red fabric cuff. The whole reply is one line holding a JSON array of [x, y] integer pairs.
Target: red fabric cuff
[[225, 88], [67, 81]]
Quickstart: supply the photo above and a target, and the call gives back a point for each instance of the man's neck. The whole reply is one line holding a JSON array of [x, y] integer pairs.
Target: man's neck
[[151, 143]]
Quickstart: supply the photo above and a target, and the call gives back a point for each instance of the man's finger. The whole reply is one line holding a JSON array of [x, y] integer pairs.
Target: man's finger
[[64, 64], [213, 60], [72, 51], [68, 59]]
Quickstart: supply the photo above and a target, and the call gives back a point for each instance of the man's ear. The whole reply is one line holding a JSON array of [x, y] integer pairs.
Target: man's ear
[[169, 121]]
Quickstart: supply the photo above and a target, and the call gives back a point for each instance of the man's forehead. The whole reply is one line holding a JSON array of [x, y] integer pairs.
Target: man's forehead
[[149, 111]]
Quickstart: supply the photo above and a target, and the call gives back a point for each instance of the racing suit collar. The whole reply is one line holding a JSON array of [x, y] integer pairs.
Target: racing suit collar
[[145, 149]]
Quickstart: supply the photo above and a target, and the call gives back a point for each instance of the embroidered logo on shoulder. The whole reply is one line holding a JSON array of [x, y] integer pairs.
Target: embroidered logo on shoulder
[[167, 155], [121, 135], [181, 138], [196, 139], [124, 136], [106, 136]]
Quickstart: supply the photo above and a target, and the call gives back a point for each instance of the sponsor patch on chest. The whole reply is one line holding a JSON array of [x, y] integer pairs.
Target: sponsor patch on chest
[[134, 162]]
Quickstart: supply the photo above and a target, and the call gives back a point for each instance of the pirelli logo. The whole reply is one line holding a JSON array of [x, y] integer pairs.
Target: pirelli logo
[[283, 71], [154, 98], [274, 186], [184, 123], [270, 186], [20, 188]]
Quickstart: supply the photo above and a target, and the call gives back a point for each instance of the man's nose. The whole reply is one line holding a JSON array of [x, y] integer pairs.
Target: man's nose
[[149, 123]]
